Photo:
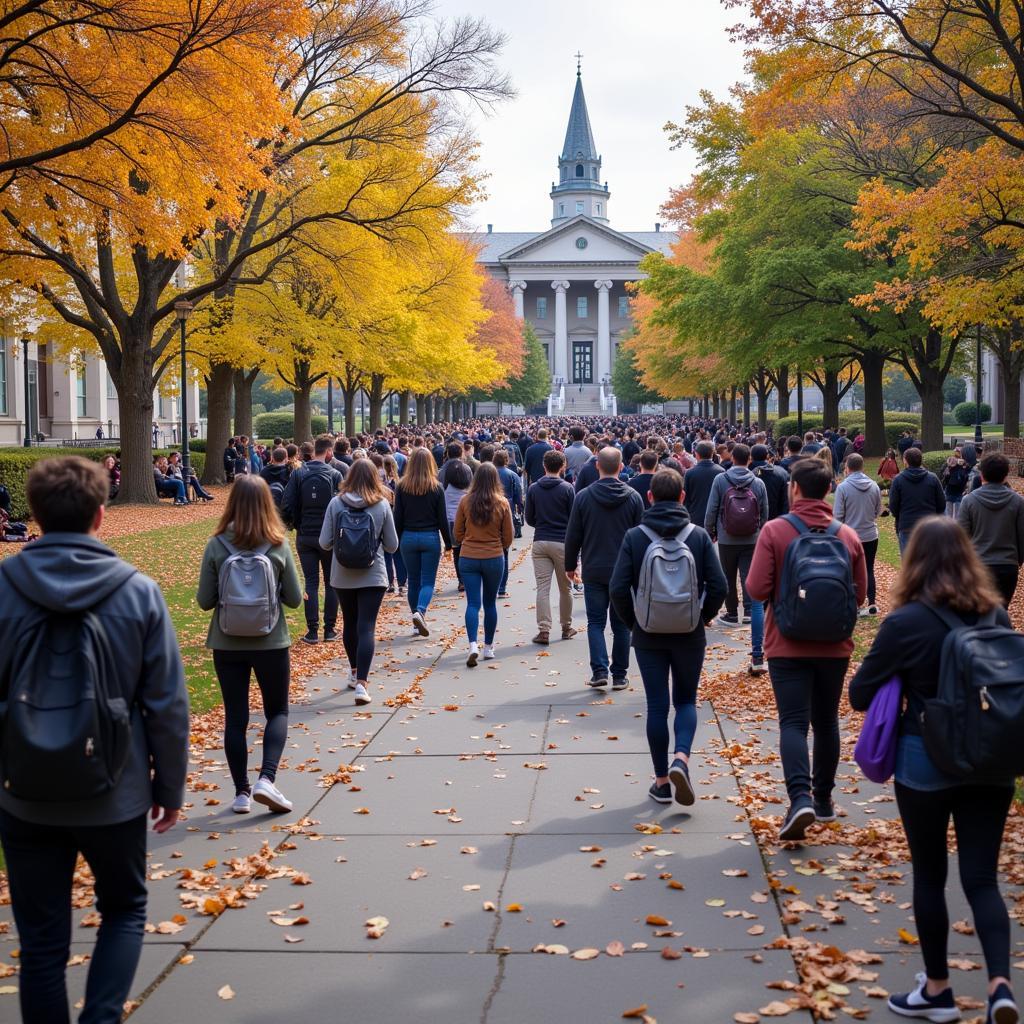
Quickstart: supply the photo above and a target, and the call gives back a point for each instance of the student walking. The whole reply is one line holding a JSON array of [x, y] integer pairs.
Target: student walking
[[250, 531], [698, 481], [47, 821], [421, 522], [859, 504], [675, 647], [601, 515], [548, 507], [512, 485], [483, 530], [809, 650], [942, 578], [914, 495], [358, 525], [456, 476]]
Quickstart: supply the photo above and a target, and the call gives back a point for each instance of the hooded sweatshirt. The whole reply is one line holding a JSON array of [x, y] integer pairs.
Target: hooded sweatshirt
[[914, 494], [70, 573], [993, 516], [343, 578], [735, 476], [859, 504], [601, 515], [697, 484], [548, 506], [667, 519]]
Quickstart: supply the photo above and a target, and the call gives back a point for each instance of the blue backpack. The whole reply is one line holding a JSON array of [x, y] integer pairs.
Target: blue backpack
[[355, 539], [815, 600]]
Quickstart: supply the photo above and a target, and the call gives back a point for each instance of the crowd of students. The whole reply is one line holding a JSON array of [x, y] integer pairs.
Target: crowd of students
[[666, 525]]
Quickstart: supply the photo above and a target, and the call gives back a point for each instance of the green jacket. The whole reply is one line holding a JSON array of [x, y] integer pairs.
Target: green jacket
[[206, 597]]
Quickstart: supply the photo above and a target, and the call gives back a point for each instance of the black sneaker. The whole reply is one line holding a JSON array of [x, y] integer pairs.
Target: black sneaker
[[727, 620], [918, 1003], [797, 820], [391, 589], [503, 595], [679, 776], [311, 637], [598, 680], [1002, 1009], [662, 793], [757, 666], [621, 684], [824, 810], [331, 635]]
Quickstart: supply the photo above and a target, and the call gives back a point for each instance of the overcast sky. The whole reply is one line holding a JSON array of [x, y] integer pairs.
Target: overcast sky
[[642, 63]]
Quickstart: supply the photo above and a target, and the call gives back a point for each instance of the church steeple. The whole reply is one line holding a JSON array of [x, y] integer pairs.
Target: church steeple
[[579, 189]]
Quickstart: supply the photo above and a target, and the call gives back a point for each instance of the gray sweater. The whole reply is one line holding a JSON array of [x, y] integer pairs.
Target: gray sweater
[[859, 504], [993, 516], [733, 477], [384, 523]]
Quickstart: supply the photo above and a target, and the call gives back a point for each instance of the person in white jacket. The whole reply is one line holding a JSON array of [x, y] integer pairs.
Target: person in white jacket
[[859, 504]]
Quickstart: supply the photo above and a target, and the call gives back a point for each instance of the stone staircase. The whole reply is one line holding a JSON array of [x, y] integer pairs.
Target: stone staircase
[[582, 400]]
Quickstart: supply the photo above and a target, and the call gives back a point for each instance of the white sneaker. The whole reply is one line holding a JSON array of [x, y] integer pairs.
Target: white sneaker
[[352, 679], [362, 697], [489, 652], [266, 793], [242, 804], [474, 654], [419, 624]]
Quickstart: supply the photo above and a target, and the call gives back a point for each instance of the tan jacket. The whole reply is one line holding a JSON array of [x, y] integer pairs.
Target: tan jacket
[[488, 541]]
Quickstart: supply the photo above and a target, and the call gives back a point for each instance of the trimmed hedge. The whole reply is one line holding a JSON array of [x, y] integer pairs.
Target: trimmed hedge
[[269, 425], [15, 464], [895, 424], [935, 461], [965, 412]]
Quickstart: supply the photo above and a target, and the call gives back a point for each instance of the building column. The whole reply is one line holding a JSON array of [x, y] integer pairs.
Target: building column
[[604, 334], [517, 288], [561, 331]]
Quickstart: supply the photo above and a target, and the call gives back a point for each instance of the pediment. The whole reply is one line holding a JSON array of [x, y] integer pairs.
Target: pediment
[[561, 245]]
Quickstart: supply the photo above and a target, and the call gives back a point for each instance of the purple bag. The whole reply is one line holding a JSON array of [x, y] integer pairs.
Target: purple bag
[[876, 746]]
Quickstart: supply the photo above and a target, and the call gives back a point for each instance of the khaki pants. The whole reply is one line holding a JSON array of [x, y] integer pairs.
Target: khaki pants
[[548, 561]]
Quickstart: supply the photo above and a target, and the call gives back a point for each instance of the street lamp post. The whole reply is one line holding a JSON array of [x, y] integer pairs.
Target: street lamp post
[[330, 406], [977, 388], [182, 309], [27, 439]]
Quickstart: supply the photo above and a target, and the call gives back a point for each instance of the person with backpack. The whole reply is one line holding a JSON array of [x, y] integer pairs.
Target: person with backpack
[[358, 524], [80, 628], [246, 575], [483, 530], [697, 482], [859, 504], [943, 589], [915, 494], [667, 584], [276, 475], [955, 477], [993, 517], [774, 478], [812, 571], [306, 497], [421, 522], [512, 485]]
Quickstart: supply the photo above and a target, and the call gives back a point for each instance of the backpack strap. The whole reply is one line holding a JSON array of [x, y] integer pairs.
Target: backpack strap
[[796, 522], [651, 535], [229, 547], [951, 620]]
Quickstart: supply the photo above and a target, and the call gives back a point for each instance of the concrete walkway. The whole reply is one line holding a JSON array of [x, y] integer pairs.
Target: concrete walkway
[[505, 812]]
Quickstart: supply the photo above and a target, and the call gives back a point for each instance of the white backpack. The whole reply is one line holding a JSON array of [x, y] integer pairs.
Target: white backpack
[[248, 601], [667, 598]]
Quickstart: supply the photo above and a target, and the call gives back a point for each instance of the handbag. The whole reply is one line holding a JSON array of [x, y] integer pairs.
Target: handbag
[[876, 746]]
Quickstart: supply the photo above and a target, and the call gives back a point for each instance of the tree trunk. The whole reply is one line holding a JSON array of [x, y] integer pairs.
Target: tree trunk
[[1011, 406], [828, 381], [782, 380], [135, 403], [872, 363], [303, 427], [421, 410], [732, 404], [219, 385], [375, 394], [932, 411], [448, 413], [763, 388], [403, 406], [927, 366], [350, 410], [243, 400]]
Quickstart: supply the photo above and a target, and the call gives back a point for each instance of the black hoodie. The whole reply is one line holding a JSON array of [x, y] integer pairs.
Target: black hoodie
[[667, 518], [548, 506], [601, 515], [913, 495]]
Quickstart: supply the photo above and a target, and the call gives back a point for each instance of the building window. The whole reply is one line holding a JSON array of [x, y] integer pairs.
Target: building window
[[3, 376], [111, 390], [598, 208], [593, 173], [581, 307], [579, 206], [542, 308], [623, 306], [579, 170], [80, 390], [561, 209], [565, 173]]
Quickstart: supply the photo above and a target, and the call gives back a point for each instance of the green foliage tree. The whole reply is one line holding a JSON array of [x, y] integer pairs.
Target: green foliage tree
[[534, 382], [954, 391], [626, 381]]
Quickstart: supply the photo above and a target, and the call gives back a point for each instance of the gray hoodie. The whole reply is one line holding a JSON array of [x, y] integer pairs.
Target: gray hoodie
[[859, 504], [735, 476], [993, 516], [384, 523], [72, 572]]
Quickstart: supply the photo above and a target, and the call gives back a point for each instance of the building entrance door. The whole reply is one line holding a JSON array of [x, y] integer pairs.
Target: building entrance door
[[583, 362]]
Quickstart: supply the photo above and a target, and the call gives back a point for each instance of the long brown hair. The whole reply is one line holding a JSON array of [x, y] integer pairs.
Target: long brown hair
[[941, 567], [364, 480], [251, 514], [485, 495], [420, 476]]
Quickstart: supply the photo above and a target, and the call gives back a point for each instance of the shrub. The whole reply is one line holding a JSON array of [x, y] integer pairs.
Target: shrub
[[853, 420], [197, 444], [935, 461], [965, 412], [269, 425]]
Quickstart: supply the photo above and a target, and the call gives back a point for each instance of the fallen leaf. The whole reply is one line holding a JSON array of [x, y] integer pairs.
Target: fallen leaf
[[468, 849], [668, 953], [615, 948], [376, 926], [637, 1013], [293, 938], [514, 908], [734, 873], [746, 1018], [416, 874], [756, 929], [226, 992], [965, 965], [676, 885], [714, 903], [586, 954], [775, 1009], [655, 921], [906, 938], [289, 922]]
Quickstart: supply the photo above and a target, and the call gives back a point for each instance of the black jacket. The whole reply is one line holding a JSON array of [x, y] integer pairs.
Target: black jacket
[[914, 494], [697, 483], [307, 521], [666, 518], [776, 483], [534, 460], [641, 483], [276, 473], [601, 515], [548, 507], [422, 513], [587, 475]]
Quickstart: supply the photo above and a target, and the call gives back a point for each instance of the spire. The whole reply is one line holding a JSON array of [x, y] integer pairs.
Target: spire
[[579, 139]]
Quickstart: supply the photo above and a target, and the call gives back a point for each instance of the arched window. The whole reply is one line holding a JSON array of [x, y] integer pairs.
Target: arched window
[[579, 170]]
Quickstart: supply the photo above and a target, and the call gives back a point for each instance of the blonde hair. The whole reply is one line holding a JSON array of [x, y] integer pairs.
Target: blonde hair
[[420, 476], [251, 514]]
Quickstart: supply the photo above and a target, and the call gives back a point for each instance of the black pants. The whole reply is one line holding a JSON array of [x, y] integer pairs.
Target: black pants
[[684, 663], [807, 692], [40, 869], [234, 669], [979, 815], [315, 560], [360, 607], [735, 559], [870, 550], [1006, 581]]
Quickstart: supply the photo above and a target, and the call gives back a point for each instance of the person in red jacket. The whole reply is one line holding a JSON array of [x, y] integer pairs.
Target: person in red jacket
[[807, 677]]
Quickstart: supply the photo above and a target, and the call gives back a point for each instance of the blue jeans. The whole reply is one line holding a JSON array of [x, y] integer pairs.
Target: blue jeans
[[757, 629], [421, 552], [903, 536], [395, 566], [504, 575], [171, 488], [684, 662], [40, 868], [599, 613], [482, 576]]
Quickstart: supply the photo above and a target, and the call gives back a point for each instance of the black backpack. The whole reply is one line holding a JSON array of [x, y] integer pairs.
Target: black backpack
[[355, 539], [974, 728], [65, 731], [315, 490], [815, 600], [277, 492]]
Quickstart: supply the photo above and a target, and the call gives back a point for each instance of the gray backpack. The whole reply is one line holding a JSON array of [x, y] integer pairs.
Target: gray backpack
[[248, 601], [667, 598]]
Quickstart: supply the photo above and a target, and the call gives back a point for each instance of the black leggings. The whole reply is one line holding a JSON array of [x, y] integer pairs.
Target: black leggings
[[870, 550], [979, 815], [359, 609], [234, 669]]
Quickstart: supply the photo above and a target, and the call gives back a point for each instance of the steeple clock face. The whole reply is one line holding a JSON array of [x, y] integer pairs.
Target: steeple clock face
[[581, 243]]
